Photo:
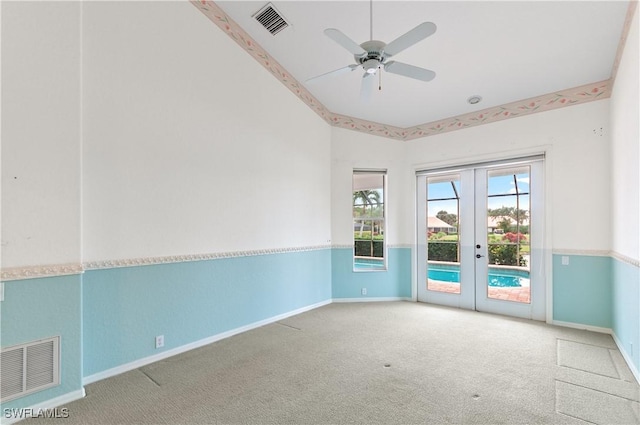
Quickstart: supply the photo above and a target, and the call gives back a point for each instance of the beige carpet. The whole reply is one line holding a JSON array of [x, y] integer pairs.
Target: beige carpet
[[378, 363]]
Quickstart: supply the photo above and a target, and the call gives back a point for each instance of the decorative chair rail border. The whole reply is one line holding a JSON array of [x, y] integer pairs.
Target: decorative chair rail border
[[32, 272]]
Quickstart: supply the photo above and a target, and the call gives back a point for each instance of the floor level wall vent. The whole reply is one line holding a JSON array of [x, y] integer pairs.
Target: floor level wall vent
[[30, 367]]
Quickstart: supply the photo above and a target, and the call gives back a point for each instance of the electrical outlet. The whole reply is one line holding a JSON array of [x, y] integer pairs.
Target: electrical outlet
[[160, 341], [1, 291], [364, 291], [631, 349], [565, 260]]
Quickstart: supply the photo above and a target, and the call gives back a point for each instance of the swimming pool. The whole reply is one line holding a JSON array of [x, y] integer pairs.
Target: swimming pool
[[368, 264], [498, 277]]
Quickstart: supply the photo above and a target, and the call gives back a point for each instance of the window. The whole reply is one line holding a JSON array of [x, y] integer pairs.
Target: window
[[369, 220]]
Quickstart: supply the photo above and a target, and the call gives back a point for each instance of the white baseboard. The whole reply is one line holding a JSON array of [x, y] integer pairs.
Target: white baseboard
[[197, 344], [583, 327], [45, 405], [626, 357], [370, 300]]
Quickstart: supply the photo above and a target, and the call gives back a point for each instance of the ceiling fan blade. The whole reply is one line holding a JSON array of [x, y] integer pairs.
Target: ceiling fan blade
[[409, 71], [410, 38], [339, 37], [339, 71], [367, 86]]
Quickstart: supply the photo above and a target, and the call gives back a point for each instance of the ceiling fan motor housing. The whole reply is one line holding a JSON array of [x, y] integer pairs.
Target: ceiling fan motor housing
[[374, 57]]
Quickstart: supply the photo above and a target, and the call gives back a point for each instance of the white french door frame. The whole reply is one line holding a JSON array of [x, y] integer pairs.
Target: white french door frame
[[473, 293]]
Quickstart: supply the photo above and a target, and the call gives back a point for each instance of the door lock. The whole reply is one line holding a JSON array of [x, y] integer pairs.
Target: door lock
[[478, 246]]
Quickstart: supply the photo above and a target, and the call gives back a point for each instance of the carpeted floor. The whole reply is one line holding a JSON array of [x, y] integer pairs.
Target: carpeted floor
[[378, 363]]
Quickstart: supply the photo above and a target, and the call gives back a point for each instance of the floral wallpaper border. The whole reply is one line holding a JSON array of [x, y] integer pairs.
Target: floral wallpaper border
[[32, 272], [568, 97], [133, 262], [598, 253], [625, 259], [633, 4], [52, 270]]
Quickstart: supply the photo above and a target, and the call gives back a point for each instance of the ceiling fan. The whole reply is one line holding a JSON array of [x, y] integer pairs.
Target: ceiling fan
[[372, 55]]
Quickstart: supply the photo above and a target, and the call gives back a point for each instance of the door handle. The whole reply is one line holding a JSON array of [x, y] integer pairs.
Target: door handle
[[479, 256]]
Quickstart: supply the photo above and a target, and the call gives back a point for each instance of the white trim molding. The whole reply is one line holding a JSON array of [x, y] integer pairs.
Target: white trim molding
[[370, 299], [627, 357], [33, 272], [197, 344], [582, 326]]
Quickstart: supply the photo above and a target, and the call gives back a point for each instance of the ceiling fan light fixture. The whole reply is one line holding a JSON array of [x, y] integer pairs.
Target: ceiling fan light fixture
[[371, 66]]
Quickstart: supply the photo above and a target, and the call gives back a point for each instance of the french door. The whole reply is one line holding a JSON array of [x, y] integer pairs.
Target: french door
[[480, 231]]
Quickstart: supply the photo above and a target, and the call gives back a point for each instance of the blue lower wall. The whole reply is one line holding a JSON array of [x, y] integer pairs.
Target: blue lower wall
[[41, 308], [393, 282], [125, 308], [626, 308], [582, 290], [109, 318]]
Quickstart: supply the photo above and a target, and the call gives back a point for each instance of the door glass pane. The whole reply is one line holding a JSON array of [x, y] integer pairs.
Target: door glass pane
[[508, 236], [443, 228]]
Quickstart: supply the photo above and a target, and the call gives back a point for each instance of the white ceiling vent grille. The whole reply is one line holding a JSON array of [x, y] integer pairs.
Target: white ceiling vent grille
[[29, 367], [271, 19]]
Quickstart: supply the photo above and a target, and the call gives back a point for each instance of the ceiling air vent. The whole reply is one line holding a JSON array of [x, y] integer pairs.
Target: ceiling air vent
[[29, 367], [271, 19]]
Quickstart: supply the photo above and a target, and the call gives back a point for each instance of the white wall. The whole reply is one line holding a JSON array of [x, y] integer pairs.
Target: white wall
[[190, 145], [353, 150], [577, 169], [186, 151], [40, 133], [625, 184]]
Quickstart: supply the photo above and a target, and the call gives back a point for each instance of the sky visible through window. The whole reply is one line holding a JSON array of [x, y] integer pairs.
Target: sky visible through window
[[440, 193]]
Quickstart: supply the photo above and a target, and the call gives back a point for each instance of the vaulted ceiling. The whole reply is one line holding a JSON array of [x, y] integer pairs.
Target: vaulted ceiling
[[520, 57]]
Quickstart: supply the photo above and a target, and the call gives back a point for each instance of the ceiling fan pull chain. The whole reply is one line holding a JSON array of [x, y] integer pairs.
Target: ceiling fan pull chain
[[379, 80]]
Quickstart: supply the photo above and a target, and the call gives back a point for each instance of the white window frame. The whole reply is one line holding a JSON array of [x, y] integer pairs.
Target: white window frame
[[383, 220]]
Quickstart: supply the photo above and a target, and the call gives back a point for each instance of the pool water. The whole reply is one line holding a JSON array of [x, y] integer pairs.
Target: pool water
[[362, 264], [505, 278]]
